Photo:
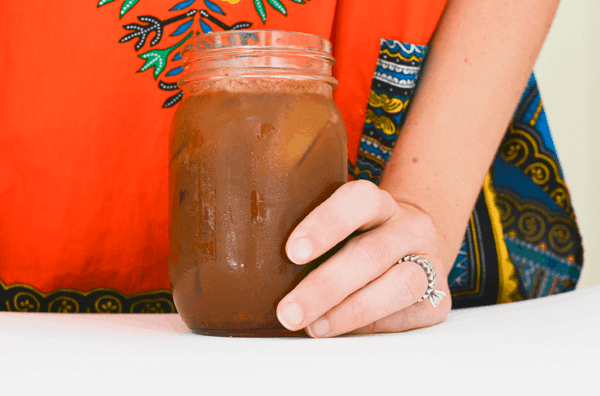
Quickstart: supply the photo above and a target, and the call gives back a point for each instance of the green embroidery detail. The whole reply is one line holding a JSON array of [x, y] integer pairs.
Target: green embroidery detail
[[158, 58], [278, 6], [103, 2], [260, 9], [127, 5]]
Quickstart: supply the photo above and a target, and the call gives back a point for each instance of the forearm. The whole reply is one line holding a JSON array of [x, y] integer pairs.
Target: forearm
[[480, 59]]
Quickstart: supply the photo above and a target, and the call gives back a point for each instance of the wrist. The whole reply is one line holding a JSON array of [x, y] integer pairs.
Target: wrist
[[449, 227]]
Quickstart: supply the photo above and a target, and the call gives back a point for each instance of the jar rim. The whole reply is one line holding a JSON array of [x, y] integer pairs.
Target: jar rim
[[272, 40], [257, 53]]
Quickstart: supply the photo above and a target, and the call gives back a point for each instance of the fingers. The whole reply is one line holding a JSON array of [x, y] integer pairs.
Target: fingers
[[355, 205], [360, 261], [416, 316], [400, 287]]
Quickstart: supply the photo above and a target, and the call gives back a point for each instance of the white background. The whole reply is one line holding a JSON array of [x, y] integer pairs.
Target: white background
[[568, 73]]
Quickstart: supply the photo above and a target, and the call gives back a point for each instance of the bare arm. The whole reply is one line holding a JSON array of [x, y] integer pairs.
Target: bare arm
[[481, 57]]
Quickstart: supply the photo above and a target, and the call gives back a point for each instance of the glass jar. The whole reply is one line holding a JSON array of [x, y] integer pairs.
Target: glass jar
[[256, 144]]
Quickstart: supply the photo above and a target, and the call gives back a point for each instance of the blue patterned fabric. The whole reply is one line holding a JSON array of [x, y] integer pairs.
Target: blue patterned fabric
[[539, 223], [393, 85], [539, 228]]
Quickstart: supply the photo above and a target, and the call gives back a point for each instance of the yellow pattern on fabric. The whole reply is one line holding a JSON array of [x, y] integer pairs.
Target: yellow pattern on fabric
[[508, 290], [393, 105], [358, 172], [151, 306], [534, 223], [29, 300], [24, 302], [372, 158], [536, 115], [399, 55], [66, 305], [382, 123], [377, 142], [108, 304], [517, 151], [512, 148]]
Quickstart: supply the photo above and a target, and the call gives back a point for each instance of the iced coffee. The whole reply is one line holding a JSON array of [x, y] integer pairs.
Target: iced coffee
[[252, 152]]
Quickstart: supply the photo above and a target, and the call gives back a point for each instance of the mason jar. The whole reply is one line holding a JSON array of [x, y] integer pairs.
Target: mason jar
[[256, 143]]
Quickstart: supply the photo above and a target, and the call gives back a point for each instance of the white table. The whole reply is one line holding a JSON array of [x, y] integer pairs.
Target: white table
[[541, 347]]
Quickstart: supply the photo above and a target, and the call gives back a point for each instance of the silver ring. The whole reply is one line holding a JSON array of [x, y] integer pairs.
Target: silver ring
[[434, 296]]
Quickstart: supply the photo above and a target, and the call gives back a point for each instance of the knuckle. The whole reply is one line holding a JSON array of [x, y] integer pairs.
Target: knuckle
[[366, 190], [371, 251]]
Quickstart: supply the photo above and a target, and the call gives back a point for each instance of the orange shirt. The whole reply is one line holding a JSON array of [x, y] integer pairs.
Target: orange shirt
[[84, 135]]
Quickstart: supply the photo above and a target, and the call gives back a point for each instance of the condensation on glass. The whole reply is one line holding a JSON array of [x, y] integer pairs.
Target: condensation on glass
[[256, 143]]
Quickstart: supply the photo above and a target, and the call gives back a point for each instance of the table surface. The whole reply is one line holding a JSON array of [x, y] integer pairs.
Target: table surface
[[547, 346]]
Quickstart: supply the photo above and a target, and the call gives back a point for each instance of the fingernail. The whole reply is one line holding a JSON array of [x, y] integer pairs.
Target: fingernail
[[319, 328], [291, 315], [300, 250]]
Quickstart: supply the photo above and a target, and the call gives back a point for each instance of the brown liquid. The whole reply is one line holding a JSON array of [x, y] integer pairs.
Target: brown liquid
[[245, 168]]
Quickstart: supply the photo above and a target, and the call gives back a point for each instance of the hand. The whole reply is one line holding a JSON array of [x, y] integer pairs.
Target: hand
[[360, 289]]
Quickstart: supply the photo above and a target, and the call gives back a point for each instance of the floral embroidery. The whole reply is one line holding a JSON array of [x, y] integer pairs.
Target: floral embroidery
[[151, 31]]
